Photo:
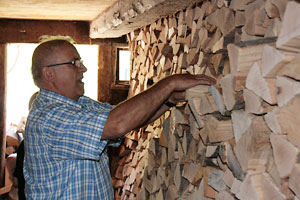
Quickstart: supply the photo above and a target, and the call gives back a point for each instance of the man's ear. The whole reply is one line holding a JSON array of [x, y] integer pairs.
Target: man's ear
[[48, 73]]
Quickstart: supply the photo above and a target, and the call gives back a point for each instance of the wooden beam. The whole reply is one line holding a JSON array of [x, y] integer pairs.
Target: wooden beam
[[127, 15], [29, 31], [2, 109]]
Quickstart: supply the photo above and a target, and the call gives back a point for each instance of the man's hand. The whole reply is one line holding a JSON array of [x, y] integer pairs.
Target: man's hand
[[181, 82], [186, 81]]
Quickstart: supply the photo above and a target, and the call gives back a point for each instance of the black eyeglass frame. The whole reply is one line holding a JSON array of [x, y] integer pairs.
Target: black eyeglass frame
[[73, 62]]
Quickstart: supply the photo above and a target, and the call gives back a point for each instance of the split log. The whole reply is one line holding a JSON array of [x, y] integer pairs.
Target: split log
[[228, 178], [289, 37], [273, 60], [218, 99], [243, 55], [271, 9], [285, 155], [292, 69], [223, 19], [286, 89], [289, 118], [228, 91], [294, 180], [255, 15], [254, 143], [233, 164], [224, 195], [217, 131], [259, 186], [253, 103], [237, 5], [241, 122], [239, 19], [274, 28], [215, 179], [235, 188], [263, 87], [272, 120]]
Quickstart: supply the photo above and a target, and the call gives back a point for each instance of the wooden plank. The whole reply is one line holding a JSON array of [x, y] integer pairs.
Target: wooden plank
[[50, 10]]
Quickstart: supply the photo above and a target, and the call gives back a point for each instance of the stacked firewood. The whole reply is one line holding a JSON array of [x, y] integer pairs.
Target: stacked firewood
[[238, 139]]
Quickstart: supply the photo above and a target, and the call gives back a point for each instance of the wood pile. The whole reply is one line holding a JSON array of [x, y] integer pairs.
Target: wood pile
[[238, 139]]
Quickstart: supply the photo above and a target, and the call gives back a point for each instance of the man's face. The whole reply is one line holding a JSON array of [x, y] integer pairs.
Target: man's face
[[68, 77]]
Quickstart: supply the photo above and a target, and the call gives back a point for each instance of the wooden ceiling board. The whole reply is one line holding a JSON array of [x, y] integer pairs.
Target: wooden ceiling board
[[77, 10]]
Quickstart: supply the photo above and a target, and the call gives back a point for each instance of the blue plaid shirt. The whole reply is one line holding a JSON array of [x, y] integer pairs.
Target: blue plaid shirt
[[65, 157]]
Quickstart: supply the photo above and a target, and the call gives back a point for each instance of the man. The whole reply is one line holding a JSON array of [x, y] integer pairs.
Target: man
[[67, 133]]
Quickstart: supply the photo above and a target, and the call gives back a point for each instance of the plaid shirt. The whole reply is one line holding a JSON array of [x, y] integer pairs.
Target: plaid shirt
[[65, 157]]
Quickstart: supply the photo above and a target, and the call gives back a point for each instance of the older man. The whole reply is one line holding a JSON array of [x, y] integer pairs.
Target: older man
[[67, 133]]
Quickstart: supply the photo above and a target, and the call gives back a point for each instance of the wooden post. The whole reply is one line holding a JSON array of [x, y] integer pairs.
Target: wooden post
[[2, 110]]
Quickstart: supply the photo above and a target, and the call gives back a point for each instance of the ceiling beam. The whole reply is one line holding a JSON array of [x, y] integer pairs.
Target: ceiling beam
[[127, 15], [29, 31]]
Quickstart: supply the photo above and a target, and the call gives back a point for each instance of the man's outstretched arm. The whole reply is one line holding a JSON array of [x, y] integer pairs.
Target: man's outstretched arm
[[148, 105]]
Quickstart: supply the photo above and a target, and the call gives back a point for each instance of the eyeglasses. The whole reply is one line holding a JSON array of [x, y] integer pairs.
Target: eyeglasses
[[77, 62]]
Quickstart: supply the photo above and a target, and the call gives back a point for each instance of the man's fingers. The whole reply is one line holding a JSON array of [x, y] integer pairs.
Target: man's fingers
[[207, 80]]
